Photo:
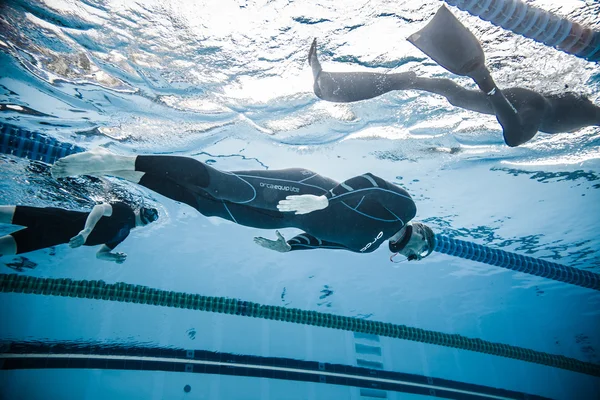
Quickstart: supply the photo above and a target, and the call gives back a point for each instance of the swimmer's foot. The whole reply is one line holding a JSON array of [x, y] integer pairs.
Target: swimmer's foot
[[95, 162]]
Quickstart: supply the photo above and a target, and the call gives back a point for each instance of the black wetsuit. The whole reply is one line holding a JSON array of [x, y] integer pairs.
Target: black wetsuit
[[49, 226], [362, 213]]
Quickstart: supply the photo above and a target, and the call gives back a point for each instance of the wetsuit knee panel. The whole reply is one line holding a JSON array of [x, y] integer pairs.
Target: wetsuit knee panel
[[170, 189]]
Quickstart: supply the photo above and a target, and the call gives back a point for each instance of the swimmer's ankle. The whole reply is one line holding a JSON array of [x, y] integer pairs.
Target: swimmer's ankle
[[484, 80]]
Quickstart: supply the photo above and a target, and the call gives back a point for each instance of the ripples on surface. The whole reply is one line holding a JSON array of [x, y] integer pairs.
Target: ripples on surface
[[171, 69]]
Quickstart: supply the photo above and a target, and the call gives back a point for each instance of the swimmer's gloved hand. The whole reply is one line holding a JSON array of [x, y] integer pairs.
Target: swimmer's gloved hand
[[80, 239], [303, 204], [279, 245]]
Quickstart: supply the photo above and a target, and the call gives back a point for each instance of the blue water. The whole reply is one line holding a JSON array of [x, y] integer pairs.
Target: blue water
[[228, 83]]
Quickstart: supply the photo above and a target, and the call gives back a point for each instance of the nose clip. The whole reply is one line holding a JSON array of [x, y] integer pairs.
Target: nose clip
[[397, 262]]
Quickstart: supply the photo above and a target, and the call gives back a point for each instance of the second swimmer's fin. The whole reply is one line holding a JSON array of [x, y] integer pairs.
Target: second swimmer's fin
[[450, 44]]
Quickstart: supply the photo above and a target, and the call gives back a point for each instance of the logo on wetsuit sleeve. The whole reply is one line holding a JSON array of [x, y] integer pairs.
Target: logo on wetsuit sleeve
[[280, 187], [372, 243]]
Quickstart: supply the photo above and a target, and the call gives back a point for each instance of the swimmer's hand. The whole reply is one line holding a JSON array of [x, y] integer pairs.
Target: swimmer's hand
[[105, 254], [279, 245], [80, 239], [119, 258], [303, 204]]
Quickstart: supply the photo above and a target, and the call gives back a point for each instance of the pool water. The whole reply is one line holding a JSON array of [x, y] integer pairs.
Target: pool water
[[228, 83]]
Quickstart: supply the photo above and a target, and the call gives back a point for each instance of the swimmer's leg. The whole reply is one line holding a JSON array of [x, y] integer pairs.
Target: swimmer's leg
[[164, 186], [345, 87], [195, 174], [184, 170], [169, 188], [161, 185], [474, 100], [209, 206], [185, 182], [6, 214], [448, 42], [8, 246], [29, 239], [519, 111]]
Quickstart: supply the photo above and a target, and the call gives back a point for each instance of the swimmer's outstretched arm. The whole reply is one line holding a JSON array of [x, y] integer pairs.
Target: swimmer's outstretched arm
[[304, 241], [99, 211], [105, 254], [279, 245]]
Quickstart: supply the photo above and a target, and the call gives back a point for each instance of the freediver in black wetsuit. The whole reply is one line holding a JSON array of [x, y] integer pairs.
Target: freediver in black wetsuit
[[521, 112], [357, 215], [108, 224]]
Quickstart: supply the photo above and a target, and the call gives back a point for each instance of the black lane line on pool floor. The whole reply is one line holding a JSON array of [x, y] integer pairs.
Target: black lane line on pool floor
[[20, 355]]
